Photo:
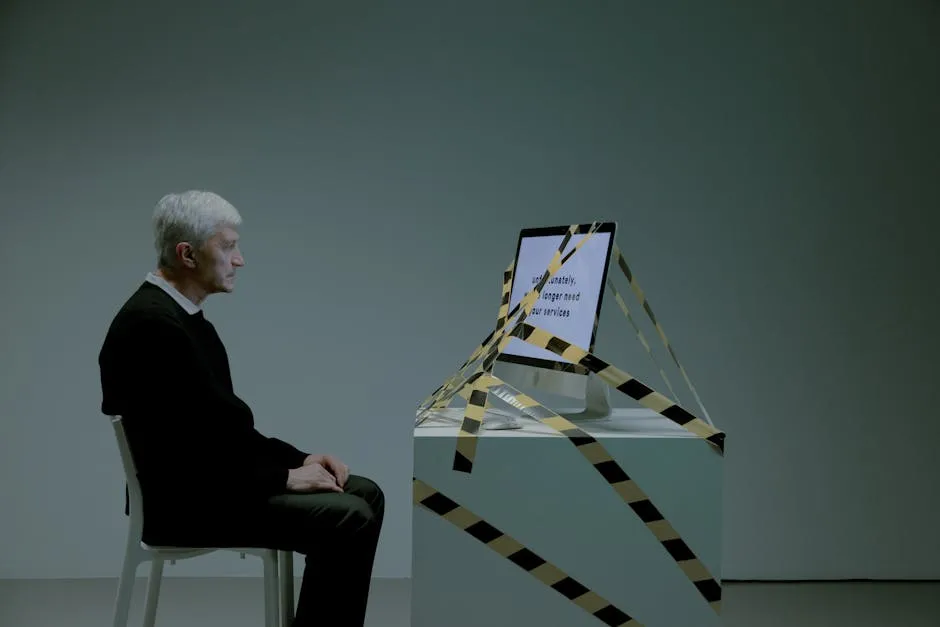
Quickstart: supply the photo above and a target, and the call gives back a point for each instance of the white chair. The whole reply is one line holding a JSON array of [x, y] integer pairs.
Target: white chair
[[278, 565]]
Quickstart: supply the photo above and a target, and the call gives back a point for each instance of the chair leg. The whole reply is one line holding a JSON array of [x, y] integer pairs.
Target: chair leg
[[270, 588], [122, 603], [153, 591], [285, 560]]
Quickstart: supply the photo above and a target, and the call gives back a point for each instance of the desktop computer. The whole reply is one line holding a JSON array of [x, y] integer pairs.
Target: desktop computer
[[569, 307]]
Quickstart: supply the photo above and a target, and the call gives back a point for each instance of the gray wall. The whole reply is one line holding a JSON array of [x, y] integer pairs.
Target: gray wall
[[773, 166]]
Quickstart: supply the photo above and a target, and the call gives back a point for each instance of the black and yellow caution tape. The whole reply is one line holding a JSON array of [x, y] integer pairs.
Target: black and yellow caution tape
[[640, 336], [616, 378], [502, 316], [503, 313], [603, 463], [477, 404], [499, 342], [508, 547], [487, 349], [644, 302], [524, 308], [622, 381], [477, 387]]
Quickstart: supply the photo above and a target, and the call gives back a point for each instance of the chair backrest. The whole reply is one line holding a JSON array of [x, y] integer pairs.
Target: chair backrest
[[135, 498]]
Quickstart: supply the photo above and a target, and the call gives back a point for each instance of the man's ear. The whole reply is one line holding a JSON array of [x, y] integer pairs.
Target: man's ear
[[187, 254]]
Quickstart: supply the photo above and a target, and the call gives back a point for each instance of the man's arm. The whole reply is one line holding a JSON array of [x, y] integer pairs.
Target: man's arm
[[278, 451], [282, 452], [176, 424]]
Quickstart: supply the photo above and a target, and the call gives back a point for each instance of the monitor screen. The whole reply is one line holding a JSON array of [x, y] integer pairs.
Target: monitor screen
[[570, 302]]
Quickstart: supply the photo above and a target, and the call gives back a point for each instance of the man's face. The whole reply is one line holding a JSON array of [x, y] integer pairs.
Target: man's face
[[218, 260]]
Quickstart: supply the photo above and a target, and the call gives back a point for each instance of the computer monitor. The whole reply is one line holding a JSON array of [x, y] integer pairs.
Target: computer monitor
[[569, 306]]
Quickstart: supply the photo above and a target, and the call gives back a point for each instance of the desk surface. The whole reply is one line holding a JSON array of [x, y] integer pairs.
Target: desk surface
[[623, 423]]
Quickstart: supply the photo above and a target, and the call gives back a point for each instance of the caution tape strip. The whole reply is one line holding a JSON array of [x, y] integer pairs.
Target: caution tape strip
[[639, 336], [445, 392], [476, 389], [503, 313], [494, 348], [502, 316], [442, 396], [508, 547], [644, 302], [622, 381], [477, 404], [608, 468], [524, 308]]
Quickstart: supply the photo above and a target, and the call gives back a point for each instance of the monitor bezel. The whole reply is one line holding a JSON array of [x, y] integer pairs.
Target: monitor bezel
[[543, 231]]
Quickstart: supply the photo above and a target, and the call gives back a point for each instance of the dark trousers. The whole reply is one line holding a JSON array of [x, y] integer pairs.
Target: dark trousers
[[338, 534]]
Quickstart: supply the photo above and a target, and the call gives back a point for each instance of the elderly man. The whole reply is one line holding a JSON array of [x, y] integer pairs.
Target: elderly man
[[208, 477]]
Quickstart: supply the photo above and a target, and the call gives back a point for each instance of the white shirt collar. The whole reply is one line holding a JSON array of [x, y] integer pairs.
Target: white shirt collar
[[190, 307]]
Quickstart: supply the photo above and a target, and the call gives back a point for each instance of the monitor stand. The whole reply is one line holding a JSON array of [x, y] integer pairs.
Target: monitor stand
[[596, 401]]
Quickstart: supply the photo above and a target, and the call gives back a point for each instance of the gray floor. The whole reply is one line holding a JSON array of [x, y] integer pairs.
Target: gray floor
[[237, 603]]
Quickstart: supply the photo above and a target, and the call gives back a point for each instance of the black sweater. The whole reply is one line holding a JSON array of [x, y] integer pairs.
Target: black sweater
[[194, 442]]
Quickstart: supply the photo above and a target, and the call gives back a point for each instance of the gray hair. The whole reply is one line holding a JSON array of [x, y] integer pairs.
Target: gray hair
[[193, 216]]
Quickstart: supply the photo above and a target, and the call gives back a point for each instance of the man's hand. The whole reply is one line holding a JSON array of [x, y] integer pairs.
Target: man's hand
[[311, 477], [337, 468]]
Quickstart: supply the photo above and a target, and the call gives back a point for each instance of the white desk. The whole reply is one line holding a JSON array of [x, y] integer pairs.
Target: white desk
[[535, 486]]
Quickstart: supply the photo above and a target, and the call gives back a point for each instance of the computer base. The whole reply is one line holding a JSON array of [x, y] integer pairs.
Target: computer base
[[585, 416], [596, 406], [596, 402], [500, 423]]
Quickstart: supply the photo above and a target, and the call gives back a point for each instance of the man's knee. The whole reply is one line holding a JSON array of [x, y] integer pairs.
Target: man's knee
[[369, 491], [350, 518]]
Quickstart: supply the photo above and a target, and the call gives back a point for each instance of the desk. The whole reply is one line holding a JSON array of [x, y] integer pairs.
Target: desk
[[535, 486]]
